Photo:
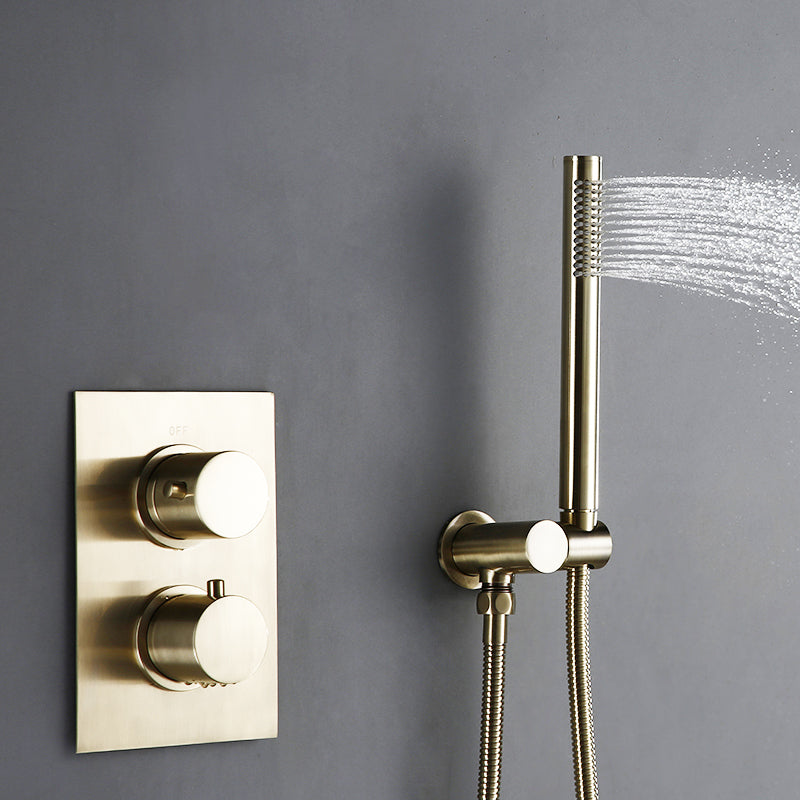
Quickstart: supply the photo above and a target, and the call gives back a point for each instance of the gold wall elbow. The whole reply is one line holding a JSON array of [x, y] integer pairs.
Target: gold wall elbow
[[474, 549]]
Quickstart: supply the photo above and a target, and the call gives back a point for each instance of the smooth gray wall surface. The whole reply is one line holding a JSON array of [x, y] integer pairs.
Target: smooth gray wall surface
[[357, 206]]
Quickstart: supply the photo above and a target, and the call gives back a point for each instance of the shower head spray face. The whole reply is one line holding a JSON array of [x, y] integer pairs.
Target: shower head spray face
[[582, 188], [585, 220]]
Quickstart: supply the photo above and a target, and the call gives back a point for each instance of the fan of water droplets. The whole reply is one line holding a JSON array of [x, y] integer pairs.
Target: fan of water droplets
[[733, 237]]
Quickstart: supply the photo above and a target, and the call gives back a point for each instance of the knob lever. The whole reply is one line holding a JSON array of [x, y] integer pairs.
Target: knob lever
[[185, 494], [186, 637]]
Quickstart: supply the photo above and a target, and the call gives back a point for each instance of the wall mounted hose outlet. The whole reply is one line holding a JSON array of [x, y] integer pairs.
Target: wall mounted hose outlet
[[176, 568], [475, 550]]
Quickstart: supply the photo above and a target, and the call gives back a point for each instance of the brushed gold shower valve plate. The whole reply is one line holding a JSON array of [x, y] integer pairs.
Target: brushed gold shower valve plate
[[121, 566]]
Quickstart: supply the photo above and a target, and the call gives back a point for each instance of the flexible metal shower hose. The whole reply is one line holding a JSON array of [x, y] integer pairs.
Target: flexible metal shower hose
[[580, 683], [494, 672], [580, 698]]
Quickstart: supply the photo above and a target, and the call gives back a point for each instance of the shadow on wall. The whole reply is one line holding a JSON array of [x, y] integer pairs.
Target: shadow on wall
[[443, 232], [69, 606], [446, 260]]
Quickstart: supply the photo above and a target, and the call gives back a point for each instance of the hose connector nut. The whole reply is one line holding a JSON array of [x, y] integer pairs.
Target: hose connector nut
[[493, 602]]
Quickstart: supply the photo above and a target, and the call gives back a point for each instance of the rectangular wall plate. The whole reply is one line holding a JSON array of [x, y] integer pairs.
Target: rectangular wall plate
[[119, 567]]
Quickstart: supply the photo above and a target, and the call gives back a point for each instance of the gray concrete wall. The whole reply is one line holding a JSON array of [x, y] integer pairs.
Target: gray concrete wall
[[357, 207]]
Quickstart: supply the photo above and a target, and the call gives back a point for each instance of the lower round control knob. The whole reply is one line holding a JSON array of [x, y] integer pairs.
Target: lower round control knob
[[206, 638]]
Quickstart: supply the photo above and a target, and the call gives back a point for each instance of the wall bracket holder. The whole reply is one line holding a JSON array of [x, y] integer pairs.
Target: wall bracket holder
[[474, 549]]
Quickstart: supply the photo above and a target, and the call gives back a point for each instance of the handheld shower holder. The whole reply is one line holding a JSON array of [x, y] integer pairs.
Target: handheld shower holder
[[476, 551]]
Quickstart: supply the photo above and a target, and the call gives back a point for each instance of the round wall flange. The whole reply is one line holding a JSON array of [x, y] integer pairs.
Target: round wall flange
[[445, 550], [144, 518], [142, 654]]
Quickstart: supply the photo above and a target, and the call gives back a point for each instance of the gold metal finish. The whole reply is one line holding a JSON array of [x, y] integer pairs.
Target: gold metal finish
[[141, 651], [474, 549], [196, 495], [144, 502], [579, 432], [120, 572], [510, 547], [587, 548], [206, 639], [580, 340], [579, 683], [445, 548], [495, 602]]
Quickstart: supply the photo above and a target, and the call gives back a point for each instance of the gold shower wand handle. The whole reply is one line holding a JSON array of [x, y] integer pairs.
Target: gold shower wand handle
[[580, 330]]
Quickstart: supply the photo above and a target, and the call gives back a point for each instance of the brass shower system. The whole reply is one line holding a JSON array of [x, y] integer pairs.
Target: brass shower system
[[476, 552]]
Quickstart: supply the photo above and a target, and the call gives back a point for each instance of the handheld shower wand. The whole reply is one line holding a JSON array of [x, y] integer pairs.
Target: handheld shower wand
[[476, 552], [580, 336]]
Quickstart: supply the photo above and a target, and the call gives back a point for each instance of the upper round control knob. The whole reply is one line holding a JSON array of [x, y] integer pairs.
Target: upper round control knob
[[196, 495]]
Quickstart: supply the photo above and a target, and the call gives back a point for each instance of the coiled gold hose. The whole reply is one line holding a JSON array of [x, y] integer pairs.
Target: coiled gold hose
[[579, 679], [494, 670]]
